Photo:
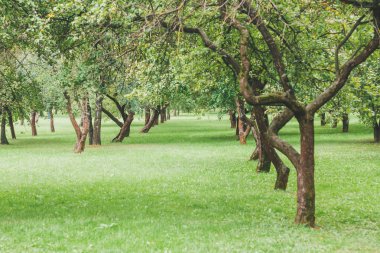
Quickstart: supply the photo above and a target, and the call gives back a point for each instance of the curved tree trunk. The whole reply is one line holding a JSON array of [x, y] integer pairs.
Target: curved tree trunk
[[125, 129], [4, 140], [151, 122], [81, 134], [263, 161], [96, 137], [305, 174], [52, 128], [10, 122], [345, 121], [33, 123]]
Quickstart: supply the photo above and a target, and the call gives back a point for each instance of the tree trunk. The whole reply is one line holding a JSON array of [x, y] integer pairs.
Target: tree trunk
[[90, 125], [237, 128], [10, 122], [345, 121], [4, 140], [241, 123], [125, 129], [147, 116], [52, 128], [98, 121], [33, 123], [305, 173], [156, 119], [334, 123], [232, 118], [22, 121], [167, 114], [263, 161], [281, 170], [376, 132], [80, 133], [151, 122], [323, 119], [163, 114]]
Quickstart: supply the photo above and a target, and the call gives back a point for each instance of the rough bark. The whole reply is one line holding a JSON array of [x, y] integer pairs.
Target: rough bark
[[156, 118], [51, 115], [345, 122], [232, 118], [125, 129], [241, 122], [151, 122], [263, 161], [4, 140], [10, 122], [97, 121], [305, 173], [323, 119], [33, 123]]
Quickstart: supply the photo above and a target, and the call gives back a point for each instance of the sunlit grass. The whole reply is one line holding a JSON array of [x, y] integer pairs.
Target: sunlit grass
[[187, 186]]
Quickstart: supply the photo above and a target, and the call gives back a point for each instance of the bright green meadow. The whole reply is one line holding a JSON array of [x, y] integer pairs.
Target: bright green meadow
[[187, 186]]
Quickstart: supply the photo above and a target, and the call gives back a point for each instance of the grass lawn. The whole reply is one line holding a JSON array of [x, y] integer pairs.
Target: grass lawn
[[187, 186]]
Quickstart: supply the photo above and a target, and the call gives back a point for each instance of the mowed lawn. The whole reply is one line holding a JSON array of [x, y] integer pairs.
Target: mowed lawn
[[187, 186]]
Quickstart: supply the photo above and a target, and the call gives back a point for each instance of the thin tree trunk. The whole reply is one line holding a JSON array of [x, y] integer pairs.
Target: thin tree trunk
[[346, 122], [376, 132], [81, 134], [323, 119], [10, 122], [98, 121], [175, 113], [90, 125], [125, 129], [147, 116], [263, 161], [237, 128], [22, 121], [152, 119], [167, 114], [52, 128], [33, 123], [232, 118], [305, 174], [334, 123], [4, 140]]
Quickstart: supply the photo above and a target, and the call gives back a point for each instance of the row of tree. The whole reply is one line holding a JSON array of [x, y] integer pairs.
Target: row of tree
[[270, 60]]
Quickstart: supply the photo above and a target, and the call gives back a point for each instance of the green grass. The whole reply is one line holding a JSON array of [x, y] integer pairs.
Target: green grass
[[187, 186]]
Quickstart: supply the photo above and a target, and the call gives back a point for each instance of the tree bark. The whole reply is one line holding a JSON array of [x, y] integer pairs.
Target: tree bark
[[125, 129], [263, 161], [345, 121], [163, 114], [334, 123], [81, 134], [151, 122], [167, 114], [156, 119], [90, 125], [97, 121], [232, 118], [147, 116], [52, 128], [10, 122], [4, 140], [376, 132], [33, 123], [305, 173], [323, 119]]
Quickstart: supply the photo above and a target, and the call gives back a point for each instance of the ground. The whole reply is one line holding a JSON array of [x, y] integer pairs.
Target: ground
[[187, 186]]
